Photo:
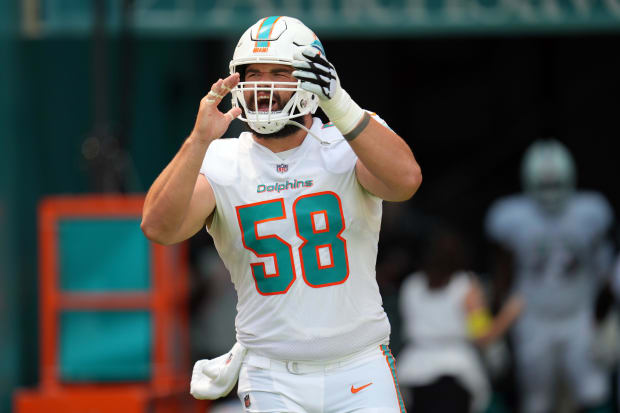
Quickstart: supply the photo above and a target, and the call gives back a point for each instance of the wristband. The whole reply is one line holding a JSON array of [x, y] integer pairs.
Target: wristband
[[479, 323], [342, 111], [359, 128]]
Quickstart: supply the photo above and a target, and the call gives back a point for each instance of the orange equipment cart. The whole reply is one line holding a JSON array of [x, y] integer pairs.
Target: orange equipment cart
[[113, 313]]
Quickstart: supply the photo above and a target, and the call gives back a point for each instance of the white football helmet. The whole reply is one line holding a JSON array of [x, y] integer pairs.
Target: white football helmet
[[273, 39], [548, 173]]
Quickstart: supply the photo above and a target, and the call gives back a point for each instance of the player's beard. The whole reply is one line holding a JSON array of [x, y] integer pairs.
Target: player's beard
[[287, 130]]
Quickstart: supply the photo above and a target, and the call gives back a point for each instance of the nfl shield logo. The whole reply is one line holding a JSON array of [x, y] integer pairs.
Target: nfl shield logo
[[282, 168], [246, 401]]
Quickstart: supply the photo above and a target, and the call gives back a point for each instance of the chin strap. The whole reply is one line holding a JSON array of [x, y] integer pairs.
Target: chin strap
[[299, 125]]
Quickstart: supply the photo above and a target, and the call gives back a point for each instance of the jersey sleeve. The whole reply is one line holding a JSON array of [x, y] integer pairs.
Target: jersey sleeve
[[378, 119], [599, 218], [599, 212], [220, 162], [338, 155]]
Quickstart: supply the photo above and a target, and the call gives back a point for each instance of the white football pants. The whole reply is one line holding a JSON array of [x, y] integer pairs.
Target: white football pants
[[362, 383], [546, 348]]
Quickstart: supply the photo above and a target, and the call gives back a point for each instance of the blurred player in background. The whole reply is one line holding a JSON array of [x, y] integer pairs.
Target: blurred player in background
[[446, 321], [553, 250], [294, 208], [610, 336]]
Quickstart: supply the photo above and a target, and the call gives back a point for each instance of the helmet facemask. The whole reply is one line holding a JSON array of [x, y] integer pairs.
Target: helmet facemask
[[268, 120]]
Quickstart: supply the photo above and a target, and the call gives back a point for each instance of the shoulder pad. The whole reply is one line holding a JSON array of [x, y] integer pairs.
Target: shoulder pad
[[595, 208], [221, 160], [503, 215]]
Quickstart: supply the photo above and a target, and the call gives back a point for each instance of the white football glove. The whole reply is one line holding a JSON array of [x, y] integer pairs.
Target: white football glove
[[318, 76]]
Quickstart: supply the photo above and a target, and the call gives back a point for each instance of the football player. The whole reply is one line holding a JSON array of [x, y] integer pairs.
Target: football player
[[553, 249], [294, 208]]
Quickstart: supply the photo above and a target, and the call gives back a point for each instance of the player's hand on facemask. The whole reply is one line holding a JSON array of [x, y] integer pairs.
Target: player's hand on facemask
[[317, 75], [211, 123]]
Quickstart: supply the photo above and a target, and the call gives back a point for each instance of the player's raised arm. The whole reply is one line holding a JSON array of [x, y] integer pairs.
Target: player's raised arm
[[180, 199], [386, 166]]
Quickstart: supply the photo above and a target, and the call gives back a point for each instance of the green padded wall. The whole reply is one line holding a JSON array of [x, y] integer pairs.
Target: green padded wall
[[105, 346], [11, 337], [103, 255]]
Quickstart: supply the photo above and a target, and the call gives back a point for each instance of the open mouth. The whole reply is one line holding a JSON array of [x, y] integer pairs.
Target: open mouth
[[262, 102]]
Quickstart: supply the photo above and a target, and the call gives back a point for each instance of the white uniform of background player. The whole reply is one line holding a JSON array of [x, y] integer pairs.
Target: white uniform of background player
[[613, 348], [291, 209], [439, 343], [557, 238]]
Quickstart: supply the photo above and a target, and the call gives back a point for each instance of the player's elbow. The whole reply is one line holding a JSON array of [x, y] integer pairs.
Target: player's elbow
[[415, 179], [411, 181], [154, 232]]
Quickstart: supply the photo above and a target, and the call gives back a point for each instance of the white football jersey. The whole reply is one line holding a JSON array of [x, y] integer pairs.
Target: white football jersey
[[299, 237], [432, 317], [434, 322], [559, 258]]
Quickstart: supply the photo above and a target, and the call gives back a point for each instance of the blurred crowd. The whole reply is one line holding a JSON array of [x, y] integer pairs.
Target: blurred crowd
[[534, 331]]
